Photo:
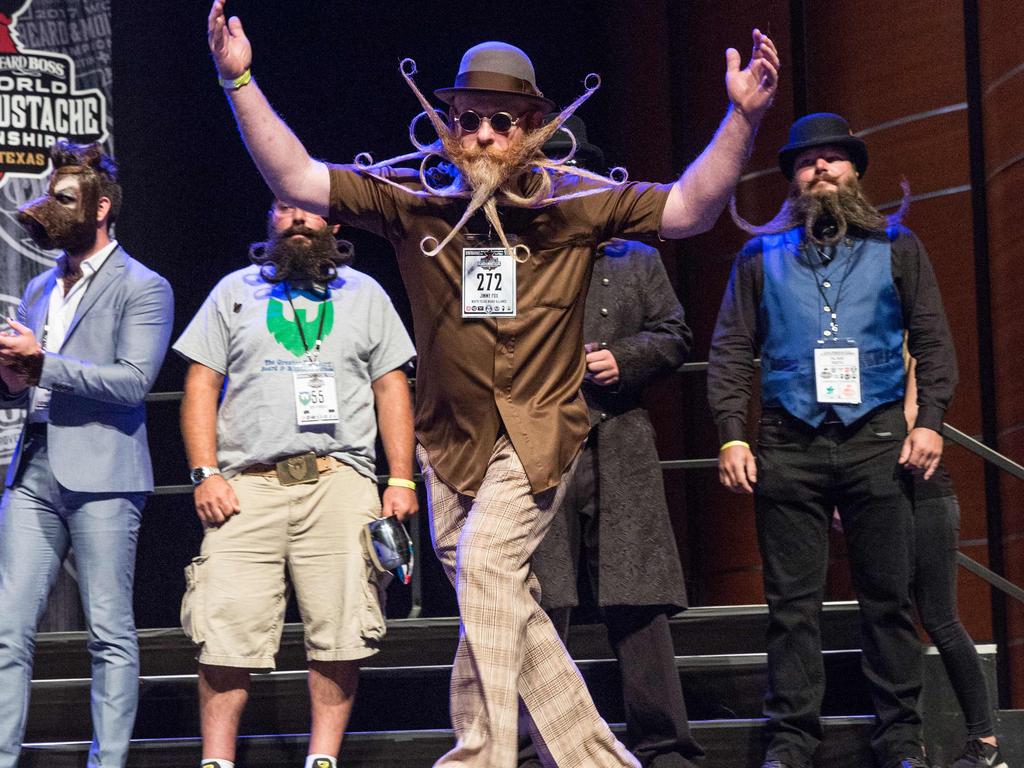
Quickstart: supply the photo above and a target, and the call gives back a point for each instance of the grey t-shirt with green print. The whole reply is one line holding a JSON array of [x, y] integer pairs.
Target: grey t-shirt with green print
[[246, 329]]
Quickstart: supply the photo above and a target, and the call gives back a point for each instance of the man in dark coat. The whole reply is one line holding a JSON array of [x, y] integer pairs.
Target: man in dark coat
[[613, 537]]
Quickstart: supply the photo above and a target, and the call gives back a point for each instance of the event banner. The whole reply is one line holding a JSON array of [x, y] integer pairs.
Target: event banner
[[55, 83]]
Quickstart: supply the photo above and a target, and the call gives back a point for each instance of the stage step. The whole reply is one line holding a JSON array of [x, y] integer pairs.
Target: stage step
[[734, 743], [416, 698], [698, 631], [406, 687]]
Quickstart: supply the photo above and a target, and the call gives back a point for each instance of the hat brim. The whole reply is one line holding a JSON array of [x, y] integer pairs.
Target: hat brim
[[447, 95], [855, 148]]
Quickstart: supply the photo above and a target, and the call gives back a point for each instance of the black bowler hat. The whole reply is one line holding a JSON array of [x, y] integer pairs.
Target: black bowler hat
[[587, 155], [818, 130]]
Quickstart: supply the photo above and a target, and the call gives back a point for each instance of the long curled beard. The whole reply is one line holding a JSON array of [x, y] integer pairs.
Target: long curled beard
[[315, 260], [483, 183], [487, 172], [826, 217]]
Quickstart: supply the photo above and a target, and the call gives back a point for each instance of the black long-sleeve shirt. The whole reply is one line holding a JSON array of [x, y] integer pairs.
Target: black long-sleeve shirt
[[738, 337]]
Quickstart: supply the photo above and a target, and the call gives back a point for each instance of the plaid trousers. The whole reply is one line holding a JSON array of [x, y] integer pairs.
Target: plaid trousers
[[508, 647]]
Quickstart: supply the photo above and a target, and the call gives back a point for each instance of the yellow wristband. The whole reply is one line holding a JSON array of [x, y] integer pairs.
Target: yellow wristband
[[238, 82], [401, 483], [731, 443]]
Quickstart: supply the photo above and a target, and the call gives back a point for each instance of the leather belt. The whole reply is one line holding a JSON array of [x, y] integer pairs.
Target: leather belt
[[323, 464]]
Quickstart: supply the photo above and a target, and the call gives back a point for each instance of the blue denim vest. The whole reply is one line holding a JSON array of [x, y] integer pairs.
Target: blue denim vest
[[792, 320]]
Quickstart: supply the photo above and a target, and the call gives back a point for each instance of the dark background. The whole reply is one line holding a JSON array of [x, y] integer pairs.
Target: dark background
[[937, 86]]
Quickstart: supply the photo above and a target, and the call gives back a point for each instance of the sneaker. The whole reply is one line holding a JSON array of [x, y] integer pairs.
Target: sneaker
[[979, 753]]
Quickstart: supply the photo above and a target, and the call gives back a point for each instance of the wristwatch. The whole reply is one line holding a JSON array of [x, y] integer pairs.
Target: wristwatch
[[198, 474]]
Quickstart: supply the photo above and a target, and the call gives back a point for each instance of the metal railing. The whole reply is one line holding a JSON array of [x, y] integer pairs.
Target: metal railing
[[950, 432]]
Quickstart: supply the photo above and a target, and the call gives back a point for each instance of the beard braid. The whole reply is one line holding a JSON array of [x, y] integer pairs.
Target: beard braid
[[317, 261], [826, 217]]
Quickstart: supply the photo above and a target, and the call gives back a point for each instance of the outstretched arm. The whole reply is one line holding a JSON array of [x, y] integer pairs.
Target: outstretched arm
[[289, 171], [701, 193]]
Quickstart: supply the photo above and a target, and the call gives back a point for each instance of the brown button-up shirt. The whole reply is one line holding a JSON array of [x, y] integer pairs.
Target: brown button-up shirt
[[475, 375]]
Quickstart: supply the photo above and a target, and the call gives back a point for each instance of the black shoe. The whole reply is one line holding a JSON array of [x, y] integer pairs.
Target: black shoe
[[978, 753]]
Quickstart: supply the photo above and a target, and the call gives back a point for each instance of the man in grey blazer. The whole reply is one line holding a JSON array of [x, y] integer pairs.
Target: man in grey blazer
[[85, 349]]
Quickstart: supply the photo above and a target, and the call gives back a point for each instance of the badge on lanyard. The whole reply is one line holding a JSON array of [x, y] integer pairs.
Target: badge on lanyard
[[837, 371], [488, 283], [316, 397]]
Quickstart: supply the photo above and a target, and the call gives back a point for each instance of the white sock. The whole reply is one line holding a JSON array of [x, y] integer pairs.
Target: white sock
[[321, 761], [215, 762]]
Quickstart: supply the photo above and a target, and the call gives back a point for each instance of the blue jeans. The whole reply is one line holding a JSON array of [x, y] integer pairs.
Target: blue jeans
[[39, 521]]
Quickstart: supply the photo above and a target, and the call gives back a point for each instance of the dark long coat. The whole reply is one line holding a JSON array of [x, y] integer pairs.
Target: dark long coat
[[632, 309]]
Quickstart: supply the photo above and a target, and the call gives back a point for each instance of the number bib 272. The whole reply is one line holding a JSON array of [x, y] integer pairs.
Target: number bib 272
[[488, 283]]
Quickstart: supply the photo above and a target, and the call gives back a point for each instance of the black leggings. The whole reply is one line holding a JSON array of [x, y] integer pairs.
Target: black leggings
[[937, 524]]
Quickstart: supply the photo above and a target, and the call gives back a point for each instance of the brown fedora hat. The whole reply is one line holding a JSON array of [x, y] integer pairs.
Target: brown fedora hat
[[495, 67]]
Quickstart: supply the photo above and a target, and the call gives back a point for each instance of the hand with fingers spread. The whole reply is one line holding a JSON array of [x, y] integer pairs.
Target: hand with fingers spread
[[215, 501], [922, 451], [232, 52], [752, 89], [602, 368], [737, 468]]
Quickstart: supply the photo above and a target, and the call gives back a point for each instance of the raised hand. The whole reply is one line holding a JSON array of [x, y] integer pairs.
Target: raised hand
[[232, 52], [752, 89]]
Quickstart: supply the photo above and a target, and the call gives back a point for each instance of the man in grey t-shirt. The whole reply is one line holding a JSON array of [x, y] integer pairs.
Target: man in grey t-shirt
[[306, 358]]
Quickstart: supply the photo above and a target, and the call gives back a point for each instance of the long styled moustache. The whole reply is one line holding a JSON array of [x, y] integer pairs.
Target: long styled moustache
[[826, 217], [316, 259]]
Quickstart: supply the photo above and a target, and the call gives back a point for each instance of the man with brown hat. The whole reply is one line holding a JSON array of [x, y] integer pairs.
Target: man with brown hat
[[498, 318], [824, 294]]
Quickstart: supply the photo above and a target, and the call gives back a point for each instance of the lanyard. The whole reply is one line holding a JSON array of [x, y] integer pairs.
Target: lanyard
[[823, 282], [302, 334]]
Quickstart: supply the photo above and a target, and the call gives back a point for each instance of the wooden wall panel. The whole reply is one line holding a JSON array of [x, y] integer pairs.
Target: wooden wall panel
[[1001, 64], [874, 61], [876, 64]]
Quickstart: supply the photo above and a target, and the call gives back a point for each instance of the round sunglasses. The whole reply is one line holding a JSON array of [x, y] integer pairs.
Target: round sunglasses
[[501, 122]]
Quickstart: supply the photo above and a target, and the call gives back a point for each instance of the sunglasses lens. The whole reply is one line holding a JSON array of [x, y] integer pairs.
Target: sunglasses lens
[[501, 122], [469, 121]]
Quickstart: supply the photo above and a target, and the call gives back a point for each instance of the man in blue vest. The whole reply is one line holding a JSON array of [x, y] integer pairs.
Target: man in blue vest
[[824, 294]]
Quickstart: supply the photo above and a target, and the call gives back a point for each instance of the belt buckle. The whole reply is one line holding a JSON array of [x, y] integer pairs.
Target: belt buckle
[[298, 469]]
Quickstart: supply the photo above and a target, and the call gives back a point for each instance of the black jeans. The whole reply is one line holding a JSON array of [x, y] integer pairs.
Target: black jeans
[[937, 522], [805, 473], [657, 728]]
